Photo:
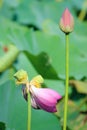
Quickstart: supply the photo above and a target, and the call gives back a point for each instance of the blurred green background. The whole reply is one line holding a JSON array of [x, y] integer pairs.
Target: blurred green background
[[32, 27]]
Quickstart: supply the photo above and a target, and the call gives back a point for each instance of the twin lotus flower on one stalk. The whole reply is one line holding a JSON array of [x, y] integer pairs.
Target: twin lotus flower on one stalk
[[41, 98]]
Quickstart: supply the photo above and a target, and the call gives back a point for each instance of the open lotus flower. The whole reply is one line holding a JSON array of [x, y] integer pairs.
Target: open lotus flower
[[41, 98], [66, 22]]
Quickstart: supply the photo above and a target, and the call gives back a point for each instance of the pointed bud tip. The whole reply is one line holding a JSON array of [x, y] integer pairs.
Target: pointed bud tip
[[66, 10]]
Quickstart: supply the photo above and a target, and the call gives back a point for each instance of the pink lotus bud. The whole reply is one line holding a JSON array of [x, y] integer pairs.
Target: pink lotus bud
[[66, 22]]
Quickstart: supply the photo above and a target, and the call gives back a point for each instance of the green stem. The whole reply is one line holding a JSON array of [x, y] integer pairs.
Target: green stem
[[67, 81], [29, 112], [82, 15], [83, 11]]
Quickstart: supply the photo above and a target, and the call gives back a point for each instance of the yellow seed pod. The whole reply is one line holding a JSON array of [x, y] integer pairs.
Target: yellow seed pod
[[37, 81], [21, 77]]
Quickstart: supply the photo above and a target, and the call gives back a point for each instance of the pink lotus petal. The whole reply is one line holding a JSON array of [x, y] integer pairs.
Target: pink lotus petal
[[53, 93], [45, 98], [33, 103], [42, 104], [46, 94], [66, 17]]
